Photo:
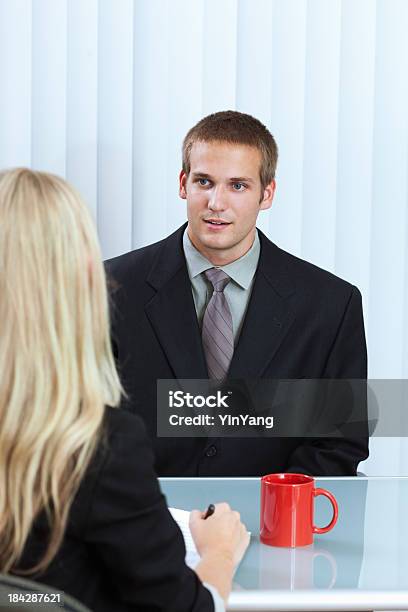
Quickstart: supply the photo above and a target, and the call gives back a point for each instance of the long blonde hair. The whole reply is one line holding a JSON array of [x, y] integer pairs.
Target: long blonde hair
[[56, 366]]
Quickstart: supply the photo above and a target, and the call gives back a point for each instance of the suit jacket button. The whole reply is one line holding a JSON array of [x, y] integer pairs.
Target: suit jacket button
[[211, 451]]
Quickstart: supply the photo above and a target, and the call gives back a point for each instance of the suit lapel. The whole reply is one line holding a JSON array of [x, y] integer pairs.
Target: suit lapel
[[268, 317], [171, 311]]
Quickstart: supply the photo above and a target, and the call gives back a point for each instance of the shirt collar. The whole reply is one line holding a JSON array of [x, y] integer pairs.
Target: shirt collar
[[240, 271]]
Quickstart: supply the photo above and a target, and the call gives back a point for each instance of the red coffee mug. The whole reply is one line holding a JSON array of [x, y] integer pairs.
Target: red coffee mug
[[287, 504]]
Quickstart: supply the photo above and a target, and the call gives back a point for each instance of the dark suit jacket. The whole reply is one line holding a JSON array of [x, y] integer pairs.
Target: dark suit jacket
[[122, 551], [301, 322]]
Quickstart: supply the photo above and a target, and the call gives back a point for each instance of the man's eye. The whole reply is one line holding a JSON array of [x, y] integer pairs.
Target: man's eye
[[238, 186], [203, 182]]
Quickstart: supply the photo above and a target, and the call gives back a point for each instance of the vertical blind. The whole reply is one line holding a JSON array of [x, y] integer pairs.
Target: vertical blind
[[102, 93]]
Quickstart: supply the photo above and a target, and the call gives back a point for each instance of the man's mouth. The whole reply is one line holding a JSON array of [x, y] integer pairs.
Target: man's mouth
[[216, 222]]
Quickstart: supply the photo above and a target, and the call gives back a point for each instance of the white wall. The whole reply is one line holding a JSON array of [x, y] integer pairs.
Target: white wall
[[102, 92]]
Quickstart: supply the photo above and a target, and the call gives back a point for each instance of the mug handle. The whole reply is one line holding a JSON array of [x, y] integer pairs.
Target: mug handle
[[332, 523]]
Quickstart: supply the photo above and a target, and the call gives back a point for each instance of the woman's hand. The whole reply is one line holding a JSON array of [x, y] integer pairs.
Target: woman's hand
[[222, 534]]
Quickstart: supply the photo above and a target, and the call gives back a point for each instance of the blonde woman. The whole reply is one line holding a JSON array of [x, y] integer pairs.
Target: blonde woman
[[80, 506]]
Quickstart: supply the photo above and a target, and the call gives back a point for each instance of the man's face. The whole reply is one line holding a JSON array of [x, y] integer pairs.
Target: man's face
[[224, 196]]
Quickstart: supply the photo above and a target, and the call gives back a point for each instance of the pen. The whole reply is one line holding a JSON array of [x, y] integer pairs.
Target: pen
[[210, 510]]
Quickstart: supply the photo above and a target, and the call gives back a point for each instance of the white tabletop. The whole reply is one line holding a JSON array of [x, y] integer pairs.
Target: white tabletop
[[362, 564]]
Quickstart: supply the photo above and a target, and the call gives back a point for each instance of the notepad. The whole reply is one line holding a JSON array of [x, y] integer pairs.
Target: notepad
[[182, 518]]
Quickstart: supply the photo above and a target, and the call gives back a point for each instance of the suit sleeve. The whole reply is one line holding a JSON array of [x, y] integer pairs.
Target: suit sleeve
[[347, 359], [133, 534]]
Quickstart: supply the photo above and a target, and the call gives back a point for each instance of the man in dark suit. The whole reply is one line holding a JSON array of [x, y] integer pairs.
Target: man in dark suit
[[218, 299]]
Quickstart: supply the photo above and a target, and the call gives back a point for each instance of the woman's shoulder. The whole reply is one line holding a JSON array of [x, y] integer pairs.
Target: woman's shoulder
[[118, 422], [122, 469], [124, 443]]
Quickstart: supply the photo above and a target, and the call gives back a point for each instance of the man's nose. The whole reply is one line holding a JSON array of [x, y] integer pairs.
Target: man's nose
[[217, 199]]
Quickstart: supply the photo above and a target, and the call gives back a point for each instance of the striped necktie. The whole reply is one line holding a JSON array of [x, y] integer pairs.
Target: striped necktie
[[217, 332]]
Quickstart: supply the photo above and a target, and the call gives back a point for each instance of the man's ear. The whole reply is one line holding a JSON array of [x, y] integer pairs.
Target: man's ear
[[182, 185], [268, 194]]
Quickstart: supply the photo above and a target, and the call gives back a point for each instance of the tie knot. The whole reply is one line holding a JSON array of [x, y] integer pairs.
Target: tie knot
[[217, 278]]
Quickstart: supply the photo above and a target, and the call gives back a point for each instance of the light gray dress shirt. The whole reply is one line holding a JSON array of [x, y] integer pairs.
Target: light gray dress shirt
[[237, 292]]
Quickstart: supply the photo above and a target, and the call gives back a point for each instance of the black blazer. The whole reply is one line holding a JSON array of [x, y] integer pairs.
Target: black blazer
[[122, 550], [301, 322]]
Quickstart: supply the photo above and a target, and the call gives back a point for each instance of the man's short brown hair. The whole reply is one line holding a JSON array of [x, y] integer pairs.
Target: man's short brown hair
[[235, 128]]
